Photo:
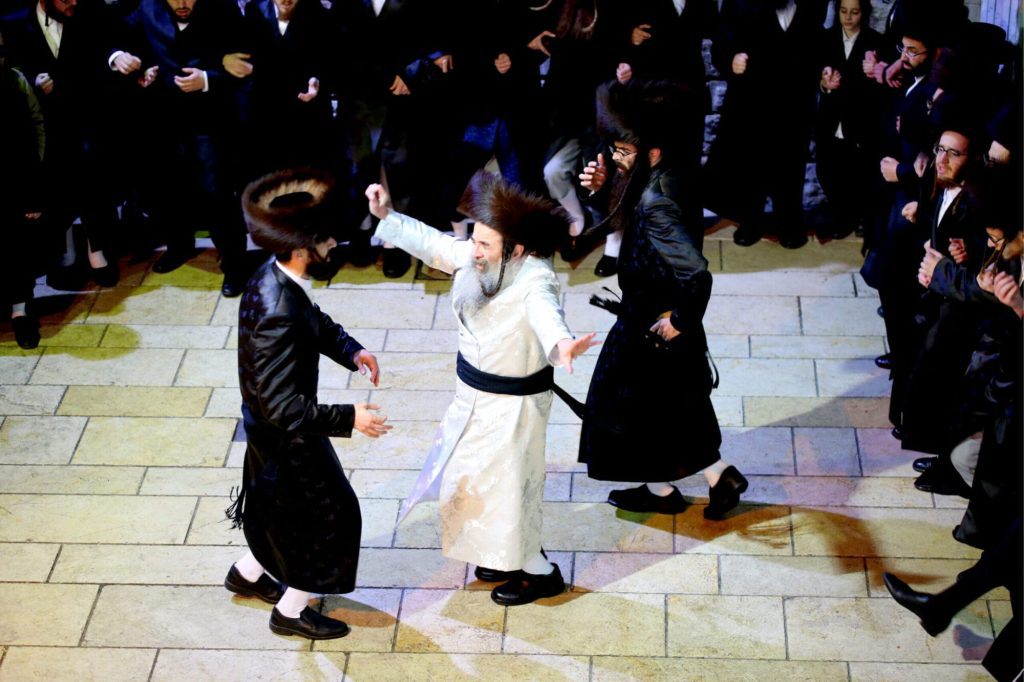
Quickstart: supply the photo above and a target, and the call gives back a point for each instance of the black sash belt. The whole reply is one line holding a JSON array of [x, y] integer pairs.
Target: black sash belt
[[538, 382]]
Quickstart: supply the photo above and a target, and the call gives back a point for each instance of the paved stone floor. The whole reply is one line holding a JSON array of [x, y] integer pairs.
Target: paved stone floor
[[116, 460]]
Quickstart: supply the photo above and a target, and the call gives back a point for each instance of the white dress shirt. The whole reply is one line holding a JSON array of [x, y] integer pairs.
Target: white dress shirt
[[378, 6], [949, 195], [680, 5], [53, 30], [848, 42], [786, 15]]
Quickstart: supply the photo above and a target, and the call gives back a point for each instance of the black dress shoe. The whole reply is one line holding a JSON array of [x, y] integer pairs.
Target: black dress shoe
[[745, 237], [897, 433], [793, 241], [884, 361], [528, 588], [107, 276], [920, 604], [309, 624], [26, 331], [232, 286], [607, 266], [922, 464], [266, 588], [493, 575], [70, 278], [880, 311], [396, 263], [725, 494], [942, 480], [642, 500], [174, 257]]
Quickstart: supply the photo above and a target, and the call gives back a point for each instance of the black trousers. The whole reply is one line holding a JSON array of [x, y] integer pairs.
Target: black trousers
[[845, 174]]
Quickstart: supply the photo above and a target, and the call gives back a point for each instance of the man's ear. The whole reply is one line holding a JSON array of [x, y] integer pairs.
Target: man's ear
[[518, 251]]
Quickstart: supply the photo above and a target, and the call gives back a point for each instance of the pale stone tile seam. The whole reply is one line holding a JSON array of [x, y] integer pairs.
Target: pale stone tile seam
[[88, 620], [152, 666]]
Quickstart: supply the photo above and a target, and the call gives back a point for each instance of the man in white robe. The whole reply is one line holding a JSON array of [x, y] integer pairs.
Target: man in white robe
[[486, 466]]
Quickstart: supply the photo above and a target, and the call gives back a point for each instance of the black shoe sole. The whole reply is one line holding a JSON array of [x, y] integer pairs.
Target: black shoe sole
[[246, 592], [645, 511], [517, 602], [282, 630], [719, 515]]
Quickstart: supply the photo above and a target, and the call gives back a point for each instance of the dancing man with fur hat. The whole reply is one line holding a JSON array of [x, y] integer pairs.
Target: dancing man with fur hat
[[649, 415], [486, 466], [300, 515]]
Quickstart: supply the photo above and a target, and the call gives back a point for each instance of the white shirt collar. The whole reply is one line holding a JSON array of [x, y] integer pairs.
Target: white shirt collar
[[378, 6], [917, 81], [306, 284], [680, 5], [282, 24]]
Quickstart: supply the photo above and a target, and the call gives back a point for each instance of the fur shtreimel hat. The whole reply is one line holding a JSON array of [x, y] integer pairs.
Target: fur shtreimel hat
[[289, 209], [519, 217], [647, 114]]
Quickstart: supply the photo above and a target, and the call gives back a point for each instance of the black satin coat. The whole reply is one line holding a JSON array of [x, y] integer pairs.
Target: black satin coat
[[300, 515], [649, 415]]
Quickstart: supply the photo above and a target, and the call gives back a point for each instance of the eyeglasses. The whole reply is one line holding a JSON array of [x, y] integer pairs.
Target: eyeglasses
[[622, 151], [909, 51], [953, 153]]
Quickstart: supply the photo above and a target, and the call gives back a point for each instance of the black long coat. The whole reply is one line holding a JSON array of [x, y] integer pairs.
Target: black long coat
[[300, 515], [649, 415]]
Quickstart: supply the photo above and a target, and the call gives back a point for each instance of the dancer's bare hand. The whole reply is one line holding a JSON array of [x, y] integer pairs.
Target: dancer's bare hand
[[594, 174], [312, 90], [398, 87], [503, 63], [238, 64], [640, 34], [569, 349], [379, 201], [194, 79], [910, 212], [148, 76], [624, 73], [928, 263], [538, 42], [125, 63], [739, 63], [368, 422], [958, 250], [367, 363], [663, 328], [1007, 290]]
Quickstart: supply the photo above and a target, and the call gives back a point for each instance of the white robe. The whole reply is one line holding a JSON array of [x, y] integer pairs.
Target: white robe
[[486, 466]]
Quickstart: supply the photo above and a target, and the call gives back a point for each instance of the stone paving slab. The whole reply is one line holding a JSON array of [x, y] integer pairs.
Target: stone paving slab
[[117, 456]]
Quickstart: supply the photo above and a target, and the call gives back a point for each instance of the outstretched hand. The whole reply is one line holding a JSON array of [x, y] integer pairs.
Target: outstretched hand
[[367, 363], [570, 349], [368, 423], [379, 201]]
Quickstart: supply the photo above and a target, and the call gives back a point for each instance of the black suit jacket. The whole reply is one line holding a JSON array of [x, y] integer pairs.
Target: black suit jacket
[[675, 49], [151, 32], [856, 103], [79, 72]]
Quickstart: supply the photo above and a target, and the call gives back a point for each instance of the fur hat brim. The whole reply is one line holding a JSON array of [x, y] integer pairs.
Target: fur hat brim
[[517, 215], [647, 114], [289, 209]]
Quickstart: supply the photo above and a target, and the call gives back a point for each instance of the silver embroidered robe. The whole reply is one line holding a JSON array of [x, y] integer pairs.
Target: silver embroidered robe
[[486, 465]]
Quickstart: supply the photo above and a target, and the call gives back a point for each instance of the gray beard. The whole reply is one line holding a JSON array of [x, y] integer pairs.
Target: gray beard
[[469, 285]]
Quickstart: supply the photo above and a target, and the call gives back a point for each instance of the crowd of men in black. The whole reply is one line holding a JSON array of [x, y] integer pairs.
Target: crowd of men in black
[[144, 119]]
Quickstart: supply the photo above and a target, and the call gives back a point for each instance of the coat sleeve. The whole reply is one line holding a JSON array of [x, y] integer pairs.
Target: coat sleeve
[[276, 367], [336, 343], [546, 317], [439, 251], [685, 263]]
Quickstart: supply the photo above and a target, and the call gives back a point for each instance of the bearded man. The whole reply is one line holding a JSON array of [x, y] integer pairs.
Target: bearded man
[[300, 515], [649, 415], [487, 463]]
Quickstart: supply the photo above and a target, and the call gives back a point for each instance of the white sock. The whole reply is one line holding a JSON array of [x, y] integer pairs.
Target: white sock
[[661, 489], [538, 565], [613, 244], [250, 569], [292, 603], [714, 472], [97, 259], [18, 310], [68, 258]]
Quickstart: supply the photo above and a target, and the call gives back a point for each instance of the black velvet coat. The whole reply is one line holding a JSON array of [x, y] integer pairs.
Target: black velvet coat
[[299, 513], [649, 415]]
